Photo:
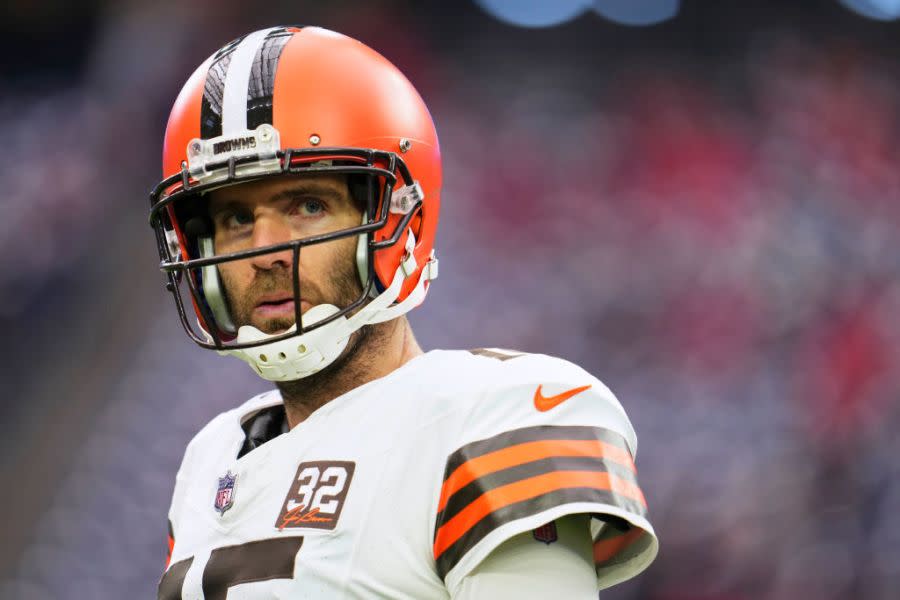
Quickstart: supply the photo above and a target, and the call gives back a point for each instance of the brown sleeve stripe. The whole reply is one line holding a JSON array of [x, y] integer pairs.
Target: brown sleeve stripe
[[467, 494], [452, 529], [523, 472], [533, 434], [452, 544], [529, 452]]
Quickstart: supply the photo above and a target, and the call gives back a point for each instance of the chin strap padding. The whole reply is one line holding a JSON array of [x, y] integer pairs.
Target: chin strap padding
[[300, 356]]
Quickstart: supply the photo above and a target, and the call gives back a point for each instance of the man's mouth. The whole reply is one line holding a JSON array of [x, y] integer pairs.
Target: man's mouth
[[278, 306]]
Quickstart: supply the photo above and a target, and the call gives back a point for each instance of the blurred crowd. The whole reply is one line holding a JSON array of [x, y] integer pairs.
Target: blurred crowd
[[720, 242], [713, 235]]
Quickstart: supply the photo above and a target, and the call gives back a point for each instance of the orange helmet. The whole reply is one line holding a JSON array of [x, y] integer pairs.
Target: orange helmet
[[299, 100]]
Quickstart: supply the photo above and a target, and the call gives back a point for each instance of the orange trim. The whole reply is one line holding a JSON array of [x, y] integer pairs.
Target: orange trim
[[169, 555], [527, 452], [524, 489], [608, 548], [182, 242]]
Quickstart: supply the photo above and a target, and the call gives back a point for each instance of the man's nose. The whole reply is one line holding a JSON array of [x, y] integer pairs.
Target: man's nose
[[269, 231]]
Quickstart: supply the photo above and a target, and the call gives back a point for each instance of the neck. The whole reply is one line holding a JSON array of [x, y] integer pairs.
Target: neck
[[372, 353]]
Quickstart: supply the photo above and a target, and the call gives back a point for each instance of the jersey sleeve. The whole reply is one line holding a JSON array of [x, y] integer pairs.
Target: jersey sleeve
[[541, 440]]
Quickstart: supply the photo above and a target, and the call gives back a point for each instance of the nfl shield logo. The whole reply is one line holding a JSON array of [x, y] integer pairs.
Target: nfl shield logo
[[546, 533], [225, 493]]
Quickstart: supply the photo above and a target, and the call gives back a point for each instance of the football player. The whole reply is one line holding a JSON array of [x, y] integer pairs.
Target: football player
[[295, 222]]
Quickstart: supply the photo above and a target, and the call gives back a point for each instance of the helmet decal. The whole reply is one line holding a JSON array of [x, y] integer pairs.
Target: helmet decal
[[262, 77], [213, 89], [237, 94]]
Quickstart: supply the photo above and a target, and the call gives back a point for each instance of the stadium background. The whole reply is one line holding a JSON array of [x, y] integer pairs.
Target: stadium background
[[702, 211]]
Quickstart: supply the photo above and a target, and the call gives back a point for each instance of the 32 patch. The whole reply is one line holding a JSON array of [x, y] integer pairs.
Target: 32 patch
[[316, 497]]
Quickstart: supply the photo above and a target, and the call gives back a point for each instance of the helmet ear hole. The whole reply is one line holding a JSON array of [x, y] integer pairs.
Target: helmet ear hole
[[359, 185], [197, 227]]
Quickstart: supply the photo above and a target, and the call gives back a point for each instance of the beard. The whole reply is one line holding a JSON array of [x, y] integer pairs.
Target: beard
[[348, 367], [345, 288]]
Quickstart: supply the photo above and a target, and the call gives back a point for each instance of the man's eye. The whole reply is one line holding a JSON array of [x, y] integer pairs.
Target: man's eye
[[309, 206], [235, 220]]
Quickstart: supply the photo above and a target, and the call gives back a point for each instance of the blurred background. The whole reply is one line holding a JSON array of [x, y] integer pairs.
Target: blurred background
[[699, 202]]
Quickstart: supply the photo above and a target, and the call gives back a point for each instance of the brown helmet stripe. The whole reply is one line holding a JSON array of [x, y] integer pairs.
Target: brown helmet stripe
[[261, 87], [214, 89]]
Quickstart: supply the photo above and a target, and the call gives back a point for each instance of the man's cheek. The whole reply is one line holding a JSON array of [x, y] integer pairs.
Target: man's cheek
[[234, 296]]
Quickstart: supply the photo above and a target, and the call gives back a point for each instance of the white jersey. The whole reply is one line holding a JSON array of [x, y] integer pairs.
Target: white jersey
[[402, 486]]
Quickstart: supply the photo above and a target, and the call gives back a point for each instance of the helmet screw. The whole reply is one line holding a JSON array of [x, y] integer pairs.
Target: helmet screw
[[405, 144], [265, 134], [314, 139]]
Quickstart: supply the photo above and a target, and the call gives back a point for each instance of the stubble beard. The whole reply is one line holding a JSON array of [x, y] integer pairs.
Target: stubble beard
[[307, 394], [346, 289], [342, 375]]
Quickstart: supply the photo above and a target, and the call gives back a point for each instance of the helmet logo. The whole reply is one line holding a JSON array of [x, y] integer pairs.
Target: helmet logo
[[244, 143], [208, 159]]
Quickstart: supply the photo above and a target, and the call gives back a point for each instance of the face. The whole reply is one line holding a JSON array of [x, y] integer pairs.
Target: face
[[276, 210]]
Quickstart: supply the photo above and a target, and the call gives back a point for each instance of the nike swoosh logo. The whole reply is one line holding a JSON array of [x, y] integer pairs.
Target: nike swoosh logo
[[545, 403]]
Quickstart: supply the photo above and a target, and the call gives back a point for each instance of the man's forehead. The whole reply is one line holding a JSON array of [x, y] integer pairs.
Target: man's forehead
[[272, 187]]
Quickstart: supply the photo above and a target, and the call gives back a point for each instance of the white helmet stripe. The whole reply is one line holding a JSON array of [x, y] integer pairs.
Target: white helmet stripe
[[234, 99]]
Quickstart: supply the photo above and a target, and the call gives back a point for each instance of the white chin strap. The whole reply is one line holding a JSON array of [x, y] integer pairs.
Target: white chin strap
[[301, 356]]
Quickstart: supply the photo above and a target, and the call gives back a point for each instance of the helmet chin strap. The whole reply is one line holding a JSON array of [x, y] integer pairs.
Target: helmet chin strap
[[301, 356]]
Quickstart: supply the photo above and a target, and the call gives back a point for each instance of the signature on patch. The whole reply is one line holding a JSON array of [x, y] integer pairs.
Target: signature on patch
[[298, 516]]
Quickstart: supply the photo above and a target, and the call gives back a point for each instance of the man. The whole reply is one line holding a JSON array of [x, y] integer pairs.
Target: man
[[296, 224]]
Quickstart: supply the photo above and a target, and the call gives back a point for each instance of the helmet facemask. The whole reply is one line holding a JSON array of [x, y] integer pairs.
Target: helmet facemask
[[317, 336]]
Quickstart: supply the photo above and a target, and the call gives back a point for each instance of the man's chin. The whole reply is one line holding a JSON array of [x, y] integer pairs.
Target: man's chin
[[274, 326]]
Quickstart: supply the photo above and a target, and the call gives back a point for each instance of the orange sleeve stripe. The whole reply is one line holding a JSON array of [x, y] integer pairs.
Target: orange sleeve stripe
[[525, 453], [524, 489], [608, 548]]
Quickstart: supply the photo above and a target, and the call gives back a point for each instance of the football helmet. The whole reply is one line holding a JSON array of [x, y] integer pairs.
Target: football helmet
[[298, 100]]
